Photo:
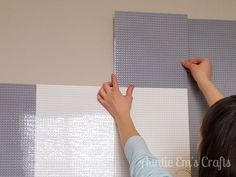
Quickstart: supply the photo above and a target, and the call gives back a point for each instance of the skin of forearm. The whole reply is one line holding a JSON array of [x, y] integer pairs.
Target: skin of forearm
[[210, 92], [125, 128]]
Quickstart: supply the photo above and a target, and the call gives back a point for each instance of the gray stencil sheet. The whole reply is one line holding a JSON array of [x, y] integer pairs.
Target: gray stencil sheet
[[214, 39], [17, 121], [148, 48]]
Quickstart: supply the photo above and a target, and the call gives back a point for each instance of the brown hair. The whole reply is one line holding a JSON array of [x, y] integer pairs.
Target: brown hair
[[218, 145]]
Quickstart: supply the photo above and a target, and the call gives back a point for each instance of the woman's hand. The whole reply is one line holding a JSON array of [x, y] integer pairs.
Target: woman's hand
[[117, 104], [200, 69]]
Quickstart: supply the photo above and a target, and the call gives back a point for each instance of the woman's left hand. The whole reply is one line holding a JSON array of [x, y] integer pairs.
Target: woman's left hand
[[117, 104]]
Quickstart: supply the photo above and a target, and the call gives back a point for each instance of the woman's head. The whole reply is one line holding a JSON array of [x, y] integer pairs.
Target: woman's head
[[218, 145]]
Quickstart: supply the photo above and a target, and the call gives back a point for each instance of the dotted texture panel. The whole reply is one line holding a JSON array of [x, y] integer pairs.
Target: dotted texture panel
[[148, 49], [214, 39], [17, 122]]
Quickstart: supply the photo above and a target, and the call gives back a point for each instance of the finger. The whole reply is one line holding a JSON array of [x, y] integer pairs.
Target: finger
[[129, 91], [186, 63], [196, 60], [107, 87], [100, 99], [115, 83], [102, 93], [193, 61]]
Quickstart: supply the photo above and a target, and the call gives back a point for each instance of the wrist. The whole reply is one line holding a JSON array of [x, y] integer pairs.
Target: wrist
[[210, 92], [122, 117], [204, 82], [126, 128], [125, 121]]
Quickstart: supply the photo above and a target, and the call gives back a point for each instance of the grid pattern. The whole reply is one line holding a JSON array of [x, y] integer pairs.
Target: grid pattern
[[148, 49], [216, 39], [17, 122]]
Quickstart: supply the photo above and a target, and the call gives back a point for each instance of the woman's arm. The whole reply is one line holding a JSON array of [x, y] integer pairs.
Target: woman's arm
[[136, 151], [118, 105], [201, 70]]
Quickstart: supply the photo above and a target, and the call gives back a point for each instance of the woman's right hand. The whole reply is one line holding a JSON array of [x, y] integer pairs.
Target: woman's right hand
[[200, 69]]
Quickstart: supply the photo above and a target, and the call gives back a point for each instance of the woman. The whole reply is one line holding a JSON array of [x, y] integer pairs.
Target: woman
[[218, 127]]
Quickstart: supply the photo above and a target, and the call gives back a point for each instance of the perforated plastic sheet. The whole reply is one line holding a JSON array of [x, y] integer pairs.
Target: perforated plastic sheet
[[17, 124], [216, 39], [148, 48]]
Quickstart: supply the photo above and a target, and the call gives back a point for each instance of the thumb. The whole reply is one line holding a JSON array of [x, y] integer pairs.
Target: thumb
[[129, 91]]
